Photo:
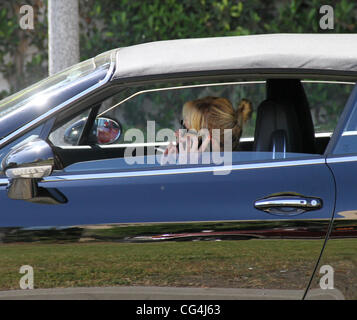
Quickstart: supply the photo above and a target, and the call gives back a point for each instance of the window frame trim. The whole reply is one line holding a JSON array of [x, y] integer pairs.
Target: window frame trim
[[186, 170], [55, 177]]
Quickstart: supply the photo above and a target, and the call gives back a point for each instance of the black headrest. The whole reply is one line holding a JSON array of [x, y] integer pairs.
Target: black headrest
[[291, 93], [276, 120]]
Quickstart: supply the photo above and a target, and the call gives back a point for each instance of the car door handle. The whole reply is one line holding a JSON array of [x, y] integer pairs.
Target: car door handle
[[288, 205]]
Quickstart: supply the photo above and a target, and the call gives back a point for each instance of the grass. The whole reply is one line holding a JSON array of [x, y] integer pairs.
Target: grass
[[270, 264], [253, 263], [341, 255]]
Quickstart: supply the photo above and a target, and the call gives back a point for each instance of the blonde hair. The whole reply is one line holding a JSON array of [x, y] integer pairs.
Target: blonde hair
[[218, 113]]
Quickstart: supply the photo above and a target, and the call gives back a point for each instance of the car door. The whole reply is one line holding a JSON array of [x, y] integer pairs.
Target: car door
[[185, 223], [338, 262]]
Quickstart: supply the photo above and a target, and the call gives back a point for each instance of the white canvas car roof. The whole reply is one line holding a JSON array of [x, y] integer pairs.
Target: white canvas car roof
[[329, 53]]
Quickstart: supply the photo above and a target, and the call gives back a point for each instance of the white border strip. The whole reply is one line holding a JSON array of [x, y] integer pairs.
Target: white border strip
[[153, 144], [349, 133], [119, 145], [341, 159]]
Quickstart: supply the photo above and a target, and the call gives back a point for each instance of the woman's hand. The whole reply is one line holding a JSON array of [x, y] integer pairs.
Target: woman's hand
[[170, 149], [187, 142]]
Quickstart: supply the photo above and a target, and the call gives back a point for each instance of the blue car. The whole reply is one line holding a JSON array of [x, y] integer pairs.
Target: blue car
[[81, 163]]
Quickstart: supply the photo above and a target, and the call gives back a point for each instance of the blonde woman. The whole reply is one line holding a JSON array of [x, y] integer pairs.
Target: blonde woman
[[211, 113]]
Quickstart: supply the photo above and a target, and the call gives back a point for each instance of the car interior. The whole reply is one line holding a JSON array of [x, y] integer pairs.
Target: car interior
[[284, 121], [283, 124]]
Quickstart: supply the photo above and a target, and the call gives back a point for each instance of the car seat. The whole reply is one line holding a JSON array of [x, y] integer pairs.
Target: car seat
[[284, 122]]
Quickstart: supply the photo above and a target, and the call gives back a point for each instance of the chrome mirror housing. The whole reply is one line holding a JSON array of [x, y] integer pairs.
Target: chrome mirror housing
[[24, 165], [34, 160]]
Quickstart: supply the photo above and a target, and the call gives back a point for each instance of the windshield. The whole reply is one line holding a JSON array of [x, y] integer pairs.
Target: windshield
[[26, 105]]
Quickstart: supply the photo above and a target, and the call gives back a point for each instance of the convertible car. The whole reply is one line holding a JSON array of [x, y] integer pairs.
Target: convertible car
[[86, 201]]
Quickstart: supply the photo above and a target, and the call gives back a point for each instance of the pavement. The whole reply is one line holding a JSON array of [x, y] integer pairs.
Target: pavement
[[166, 293]]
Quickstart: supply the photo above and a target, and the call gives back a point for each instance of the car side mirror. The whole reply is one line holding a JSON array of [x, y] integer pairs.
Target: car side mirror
[[25, 165], [104, 131]]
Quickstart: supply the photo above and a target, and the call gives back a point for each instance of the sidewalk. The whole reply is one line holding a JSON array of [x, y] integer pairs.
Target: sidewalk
[[165, 293]]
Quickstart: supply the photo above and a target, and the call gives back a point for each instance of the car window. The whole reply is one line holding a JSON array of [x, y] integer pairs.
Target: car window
[[58, 136], [347, 143], [146, 115], [164, 105], [327, 101]]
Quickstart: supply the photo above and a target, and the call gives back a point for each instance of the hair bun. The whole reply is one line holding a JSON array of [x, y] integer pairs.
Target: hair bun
[[244, 111]]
